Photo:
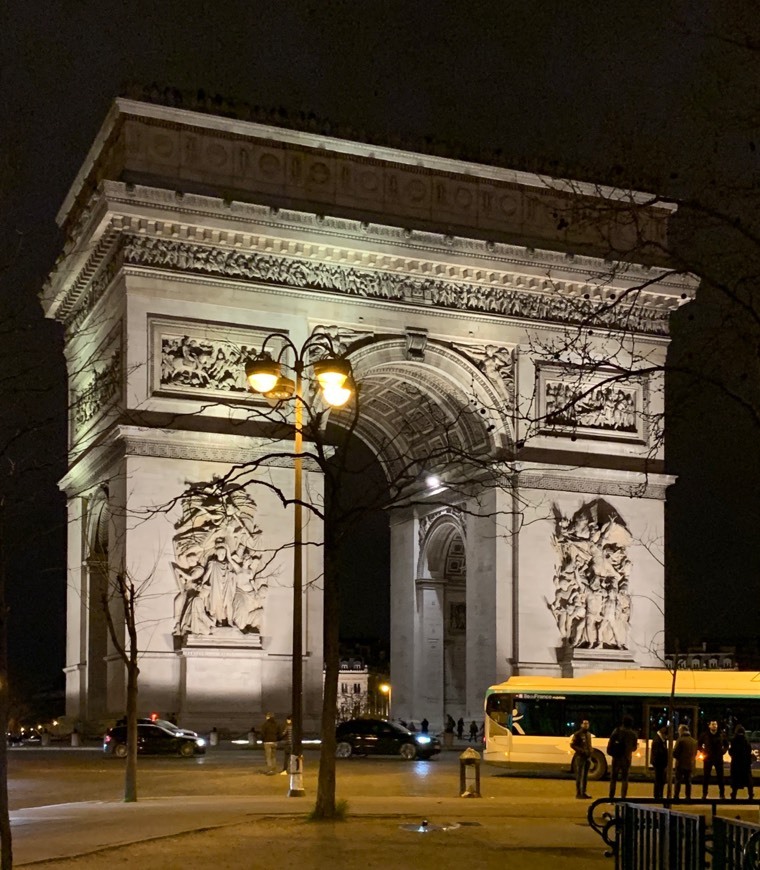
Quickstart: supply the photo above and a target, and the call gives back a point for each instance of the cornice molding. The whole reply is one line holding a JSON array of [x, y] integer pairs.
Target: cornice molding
[[226, 449], [100, 460], [582, 281], [131, 197], [621, 484]]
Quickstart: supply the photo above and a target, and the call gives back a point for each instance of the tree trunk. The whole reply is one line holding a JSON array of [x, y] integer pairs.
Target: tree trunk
[[6, 843], [133, 672], [325, 806], [130, 772]]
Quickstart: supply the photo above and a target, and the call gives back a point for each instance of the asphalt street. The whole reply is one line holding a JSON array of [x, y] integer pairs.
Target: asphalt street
[[67, 806]]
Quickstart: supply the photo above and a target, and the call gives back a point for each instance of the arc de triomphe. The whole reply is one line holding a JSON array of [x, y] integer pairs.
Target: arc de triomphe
[[190, 237]]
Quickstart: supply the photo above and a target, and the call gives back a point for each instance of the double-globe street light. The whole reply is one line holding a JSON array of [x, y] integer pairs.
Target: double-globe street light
[[264, 374]]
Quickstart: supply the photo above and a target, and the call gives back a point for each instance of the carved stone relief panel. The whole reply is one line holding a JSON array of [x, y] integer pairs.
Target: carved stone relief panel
[[342, 337], [590, 404], [191, 357], [96, 387], [497, 363], [221, 585], [592, 599]]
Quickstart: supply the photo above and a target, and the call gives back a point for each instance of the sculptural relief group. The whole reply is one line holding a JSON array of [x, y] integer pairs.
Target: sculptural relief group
[[216, 565], [592, 599]]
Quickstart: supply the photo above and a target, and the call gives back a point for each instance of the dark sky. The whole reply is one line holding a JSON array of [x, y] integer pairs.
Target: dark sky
[[652, 86]]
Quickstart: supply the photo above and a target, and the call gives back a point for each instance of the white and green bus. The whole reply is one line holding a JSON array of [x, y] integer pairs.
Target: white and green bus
[[529, 720]]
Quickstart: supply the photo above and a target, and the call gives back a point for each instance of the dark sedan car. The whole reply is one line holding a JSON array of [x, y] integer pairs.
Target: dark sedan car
[[153, 739], [379, 737]]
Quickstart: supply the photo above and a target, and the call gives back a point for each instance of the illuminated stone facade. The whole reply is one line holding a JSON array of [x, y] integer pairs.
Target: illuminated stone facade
[[190, 238]]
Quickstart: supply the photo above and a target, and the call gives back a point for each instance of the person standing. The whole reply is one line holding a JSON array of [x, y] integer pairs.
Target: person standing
[[714, 746], [424, 725], [740, 751], [580, 743], [473, 732], [460, 728], [287, 744], [659, 760], [685, 756], [622, 744], [270, 733]]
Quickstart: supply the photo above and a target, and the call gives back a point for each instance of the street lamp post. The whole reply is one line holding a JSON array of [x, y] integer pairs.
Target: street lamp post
[[264, 376], [387, 690]]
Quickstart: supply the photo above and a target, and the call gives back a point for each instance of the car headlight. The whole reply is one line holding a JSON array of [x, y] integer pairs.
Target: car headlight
[[200, 742], [422, 739]]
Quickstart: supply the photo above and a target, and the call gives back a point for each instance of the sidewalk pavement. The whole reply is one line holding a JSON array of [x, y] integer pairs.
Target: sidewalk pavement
[[63, 831]]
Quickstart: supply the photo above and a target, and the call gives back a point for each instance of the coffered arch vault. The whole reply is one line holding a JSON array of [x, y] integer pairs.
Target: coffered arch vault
[[434, 410]]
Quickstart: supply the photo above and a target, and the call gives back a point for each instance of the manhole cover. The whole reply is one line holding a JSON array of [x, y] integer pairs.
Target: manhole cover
[[426, 827]]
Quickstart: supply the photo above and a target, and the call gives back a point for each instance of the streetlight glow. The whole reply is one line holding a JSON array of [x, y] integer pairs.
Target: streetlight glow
[[262, 373], [331, 372], [335, 395]]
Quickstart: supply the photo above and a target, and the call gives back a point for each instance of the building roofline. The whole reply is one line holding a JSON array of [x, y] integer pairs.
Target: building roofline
[[124, 107]]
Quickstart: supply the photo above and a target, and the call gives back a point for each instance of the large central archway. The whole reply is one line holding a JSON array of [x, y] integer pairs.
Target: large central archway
[[436, 424]]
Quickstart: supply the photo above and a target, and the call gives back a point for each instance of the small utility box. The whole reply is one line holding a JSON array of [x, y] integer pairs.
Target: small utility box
[[469, 773]]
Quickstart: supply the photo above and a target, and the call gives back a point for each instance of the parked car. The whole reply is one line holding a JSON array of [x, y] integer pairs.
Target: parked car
[[379, 737], [154, 739]]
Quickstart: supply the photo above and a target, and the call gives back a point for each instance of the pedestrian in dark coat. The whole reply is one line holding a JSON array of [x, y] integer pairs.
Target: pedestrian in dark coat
[[424, 725], [740, 751], [473, 731], [622, 744], [685, 757], [659, 759], [713, 745], [580, 743], [460, 728]]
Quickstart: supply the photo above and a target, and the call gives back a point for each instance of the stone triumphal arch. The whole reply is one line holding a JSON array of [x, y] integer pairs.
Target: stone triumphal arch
[[191, 237]]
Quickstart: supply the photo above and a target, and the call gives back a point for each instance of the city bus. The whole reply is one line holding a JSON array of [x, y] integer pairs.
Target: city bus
[[529, 720]]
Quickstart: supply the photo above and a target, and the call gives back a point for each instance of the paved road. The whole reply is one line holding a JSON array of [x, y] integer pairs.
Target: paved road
[[39, 777], [216, 811]]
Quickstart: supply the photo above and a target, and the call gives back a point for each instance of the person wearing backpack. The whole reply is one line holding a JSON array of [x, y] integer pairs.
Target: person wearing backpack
[[622, 744]]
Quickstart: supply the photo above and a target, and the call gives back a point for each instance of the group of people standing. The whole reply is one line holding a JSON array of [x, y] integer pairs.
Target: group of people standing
[[711, 747]]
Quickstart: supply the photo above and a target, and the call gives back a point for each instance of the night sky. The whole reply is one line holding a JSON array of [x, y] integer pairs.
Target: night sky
[[661, 89]]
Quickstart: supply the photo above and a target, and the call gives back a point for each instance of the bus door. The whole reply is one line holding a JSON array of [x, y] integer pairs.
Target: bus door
[[498, 726], [656, 714]]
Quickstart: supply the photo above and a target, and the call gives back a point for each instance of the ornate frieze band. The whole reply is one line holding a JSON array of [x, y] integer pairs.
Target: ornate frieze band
[[377, 284]]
